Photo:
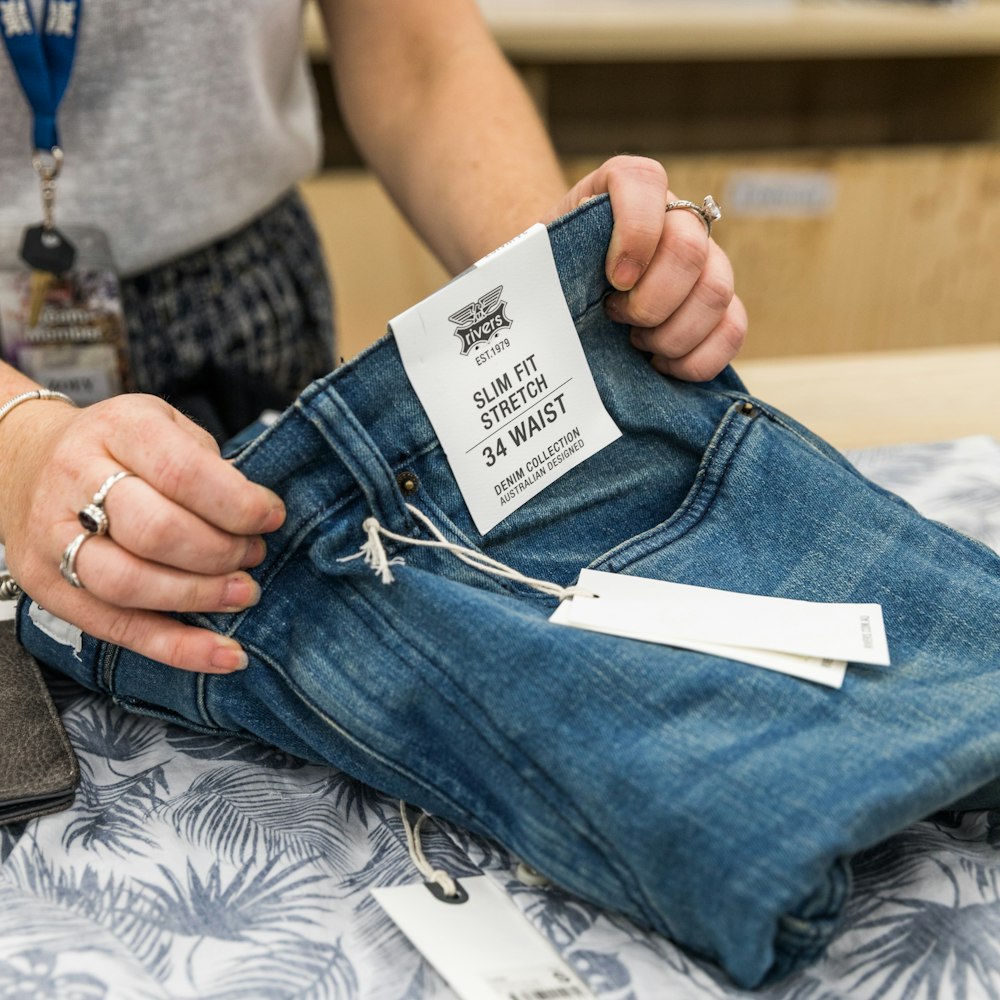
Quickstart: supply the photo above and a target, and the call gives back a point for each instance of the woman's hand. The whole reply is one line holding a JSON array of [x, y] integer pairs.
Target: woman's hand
[[182, 530], [674, 285]]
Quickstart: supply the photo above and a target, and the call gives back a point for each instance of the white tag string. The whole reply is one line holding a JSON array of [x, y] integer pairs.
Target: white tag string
[[374, 554], [436, 875]]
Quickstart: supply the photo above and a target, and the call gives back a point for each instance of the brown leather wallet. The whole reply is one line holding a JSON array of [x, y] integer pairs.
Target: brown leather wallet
[[38, 769]]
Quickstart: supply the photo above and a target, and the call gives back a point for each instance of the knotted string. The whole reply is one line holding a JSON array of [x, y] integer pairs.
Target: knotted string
[[374, 554], [436, 875]]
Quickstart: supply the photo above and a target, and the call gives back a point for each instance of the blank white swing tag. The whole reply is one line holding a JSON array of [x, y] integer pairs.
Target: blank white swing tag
[[806, 639], [497, 364], [484, 947]]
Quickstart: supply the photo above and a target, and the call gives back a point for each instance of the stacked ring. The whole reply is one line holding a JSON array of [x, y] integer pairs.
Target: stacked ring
[[67, 565], [94, 520]]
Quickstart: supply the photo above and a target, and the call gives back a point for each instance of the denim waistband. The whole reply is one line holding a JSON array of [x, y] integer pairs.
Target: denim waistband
[[365, 420]]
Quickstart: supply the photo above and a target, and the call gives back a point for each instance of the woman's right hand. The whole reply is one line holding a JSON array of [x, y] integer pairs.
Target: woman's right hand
[[182, 530]]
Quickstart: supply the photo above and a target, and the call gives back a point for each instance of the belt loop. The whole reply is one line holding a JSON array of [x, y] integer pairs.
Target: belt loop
[[353, 445]]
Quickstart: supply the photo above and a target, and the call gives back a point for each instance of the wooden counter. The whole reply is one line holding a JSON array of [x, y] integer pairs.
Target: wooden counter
[[890, 397]]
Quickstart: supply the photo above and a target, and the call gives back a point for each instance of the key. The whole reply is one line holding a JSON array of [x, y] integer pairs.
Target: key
[[38, 285], [48, 253], [44, 248]]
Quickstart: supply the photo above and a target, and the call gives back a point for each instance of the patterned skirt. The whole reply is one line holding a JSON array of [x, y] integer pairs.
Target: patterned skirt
[[236, 327]]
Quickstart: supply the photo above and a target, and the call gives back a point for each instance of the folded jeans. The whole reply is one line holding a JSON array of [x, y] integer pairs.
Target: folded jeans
[[716, 803]]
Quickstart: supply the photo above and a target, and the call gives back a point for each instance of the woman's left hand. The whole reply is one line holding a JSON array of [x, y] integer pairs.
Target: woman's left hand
[[674, 285]]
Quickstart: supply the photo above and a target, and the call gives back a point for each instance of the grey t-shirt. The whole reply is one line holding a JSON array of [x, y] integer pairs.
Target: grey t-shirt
[[182, 121]]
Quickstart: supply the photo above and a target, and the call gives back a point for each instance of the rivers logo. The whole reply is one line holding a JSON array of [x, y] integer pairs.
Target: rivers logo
[[480, 320]]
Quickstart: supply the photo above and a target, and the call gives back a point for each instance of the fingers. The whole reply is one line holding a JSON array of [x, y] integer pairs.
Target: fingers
[[148, 633], [690, 317], [711, 354], [682, 308], [160, 452], [181, 530], [115, 576], [638, 189], [143, 521]]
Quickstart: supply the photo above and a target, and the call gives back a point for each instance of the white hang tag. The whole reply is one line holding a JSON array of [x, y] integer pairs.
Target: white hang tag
[[691, 617], [484, 947], [497, 364], [830, 673]]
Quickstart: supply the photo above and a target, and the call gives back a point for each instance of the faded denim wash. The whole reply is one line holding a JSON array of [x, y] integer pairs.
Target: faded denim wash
[[712, 801]]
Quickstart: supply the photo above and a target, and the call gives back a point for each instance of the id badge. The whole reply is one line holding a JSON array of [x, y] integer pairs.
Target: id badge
[[78, 343]]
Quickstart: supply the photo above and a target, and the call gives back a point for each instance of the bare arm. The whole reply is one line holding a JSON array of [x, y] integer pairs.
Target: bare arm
[[443, 119]]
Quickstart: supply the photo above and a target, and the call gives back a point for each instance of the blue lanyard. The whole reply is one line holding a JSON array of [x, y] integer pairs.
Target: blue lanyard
[[42, 61]]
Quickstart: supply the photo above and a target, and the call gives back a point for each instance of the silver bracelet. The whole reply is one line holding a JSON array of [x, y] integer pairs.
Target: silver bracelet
[[33, 394]]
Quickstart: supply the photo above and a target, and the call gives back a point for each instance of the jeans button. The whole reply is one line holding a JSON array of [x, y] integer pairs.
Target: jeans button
[[407, 481]]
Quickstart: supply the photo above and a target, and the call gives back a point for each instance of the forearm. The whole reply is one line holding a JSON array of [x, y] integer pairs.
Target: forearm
[[443, 119]]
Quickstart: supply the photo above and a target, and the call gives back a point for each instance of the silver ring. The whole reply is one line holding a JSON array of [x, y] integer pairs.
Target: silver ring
[[94, 517], [708, 211], [67, 565]]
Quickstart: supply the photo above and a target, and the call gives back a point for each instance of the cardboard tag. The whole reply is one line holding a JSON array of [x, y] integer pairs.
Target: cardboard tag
[[498, 366], [828, 672], [484, 947], [773, 632]]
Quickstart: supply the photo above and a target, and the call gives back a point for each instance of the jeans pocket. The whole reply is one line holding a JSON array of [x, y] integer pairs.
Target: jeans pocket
[[643, 490], [706, 482]]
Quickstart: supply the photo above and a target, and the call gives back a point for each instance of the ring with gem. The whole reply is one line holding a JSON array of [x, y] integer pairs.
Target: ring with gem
[[93, 517], [708, 211]]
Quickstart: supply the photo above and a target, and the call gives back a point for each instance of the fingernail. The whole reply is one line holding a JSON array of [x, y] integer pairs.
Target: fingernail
[[612, 308], [254, 554], [230, 658], [241, 592], [275, 517], [626, 273]]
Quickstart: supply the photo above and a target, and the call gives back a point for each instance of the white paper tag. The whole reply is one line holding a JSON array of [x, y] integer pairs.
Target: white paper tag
[[485, 948], [773, 632], [56, 629], [831, 673], [498, 366]]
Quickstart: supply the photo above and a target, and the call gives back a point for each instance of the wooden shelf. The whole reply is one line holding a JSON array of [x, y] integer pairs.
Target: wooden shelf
[[610, 30], [636, 30]]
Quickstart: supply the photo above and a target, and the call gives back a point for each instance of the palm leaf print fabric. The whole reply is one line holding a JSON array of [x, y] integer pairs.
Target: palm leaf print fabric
[[192, 866]]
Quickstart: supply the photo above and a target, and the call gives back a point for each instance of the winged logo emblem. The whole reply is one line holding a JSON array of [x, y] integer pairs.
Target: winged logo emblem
[[478, 321]]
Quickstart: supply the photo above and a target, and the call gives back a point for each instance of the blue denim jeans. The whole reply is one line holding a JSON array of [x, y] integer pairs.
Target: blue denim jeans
[[712, 801]]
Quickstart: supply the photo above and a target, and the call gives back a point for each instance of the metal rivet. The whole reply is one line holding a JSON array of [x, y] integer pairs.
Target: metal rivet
[[407, 481], [748, 409]]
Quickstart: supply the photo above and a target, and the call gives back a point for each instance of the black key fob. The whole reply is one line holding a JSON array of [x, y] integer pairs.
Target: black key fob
[[47, 250]]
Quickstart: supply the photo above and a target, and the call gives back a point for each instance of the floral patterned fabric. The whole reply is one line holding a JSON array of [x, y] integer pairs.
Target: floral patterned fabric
[[194, 867]]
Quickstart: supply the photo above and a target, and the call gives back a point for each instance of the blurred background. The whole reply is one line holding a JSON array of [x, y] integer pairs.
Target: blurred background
[[854, 146]]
